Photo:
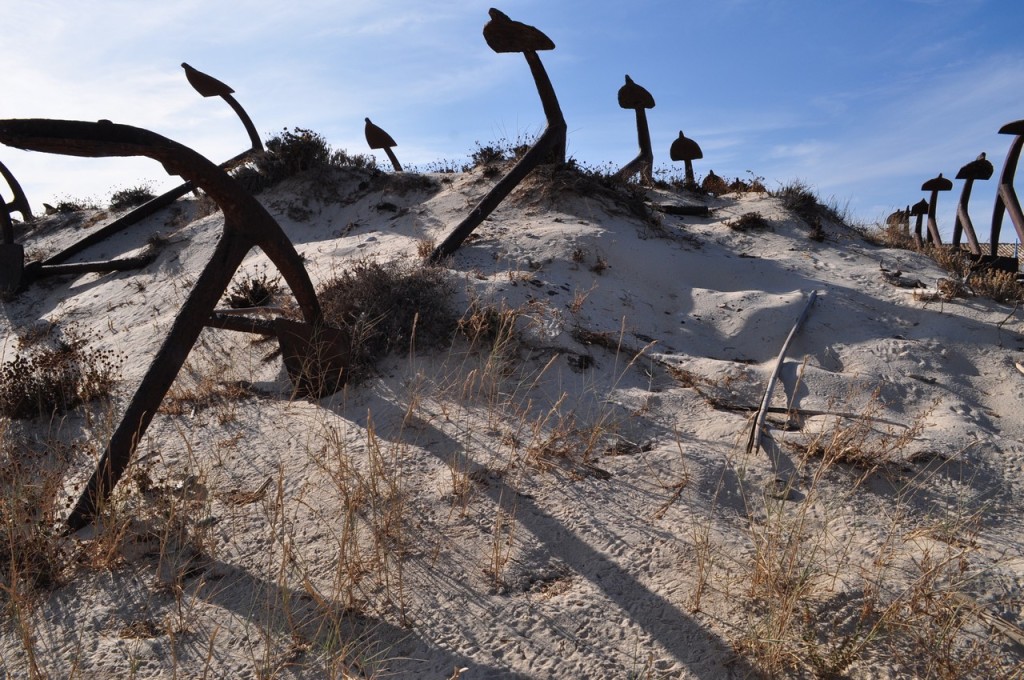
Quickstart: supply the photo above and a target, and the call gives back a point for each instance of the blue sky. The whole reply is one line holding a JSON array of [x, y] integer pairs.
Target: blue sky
[[862, 100]]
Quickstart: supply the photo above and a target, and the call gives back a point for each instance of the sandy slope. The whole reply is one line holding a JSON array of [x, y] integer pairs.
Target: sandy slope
[[576, 506]]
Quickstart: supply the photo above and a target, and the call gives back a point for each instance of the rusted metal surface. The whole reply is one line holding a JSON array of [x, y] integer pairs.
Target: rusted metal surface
[[633, 96], [12, 255], [247, 224], [135, 216], [12, 258], [899, 219], [1006, 197], [935, 185], [919, 210], [378, 139], [505, 35], [686, 150], [207, 86], [979, 168], [19, 203]]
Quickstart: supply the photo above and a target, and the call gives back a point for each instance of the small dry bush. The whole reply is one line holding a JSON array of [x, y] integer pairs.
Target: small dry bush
[[750, 221], [719, 186], [295, 151], [554, 182], [257, 290], [131, 197], [713, 184], [889, 236], [501, 151], [69, 205], [971, 275], [998, 285], [818, 610], [386, 306], [55, 375], [865, 441], [801, 199], [485, 324]]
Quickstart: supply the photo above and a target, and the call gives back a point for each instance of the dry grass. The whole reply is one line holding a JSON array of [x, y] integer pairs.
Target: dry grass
[[54, 373], [970, 276], [802, 200], [816, 610]]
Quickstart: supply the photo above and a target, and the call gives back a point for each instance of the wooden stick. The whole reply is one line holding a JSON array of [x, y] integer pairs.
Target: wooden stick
[[754, 440]]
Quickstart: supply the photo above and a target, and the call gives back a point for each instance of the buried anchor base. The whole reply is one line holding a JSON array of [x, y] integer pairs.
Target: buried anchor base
[[316, 357]]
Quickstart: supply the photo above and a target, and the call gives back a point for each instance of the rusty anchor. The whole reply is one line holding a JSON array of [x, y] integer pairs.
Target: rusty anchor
[[505, 35], [899, 219], [686, 150], [935, 185], [919, 210], [632, 96], [314, 353], [377, 138], [208, 86], [979, 168], [57, 264], [1006, 197]]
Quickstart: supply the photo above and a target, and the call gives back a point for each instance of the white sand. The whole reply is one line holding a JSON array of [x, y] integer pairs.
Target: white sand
[[601, 559]]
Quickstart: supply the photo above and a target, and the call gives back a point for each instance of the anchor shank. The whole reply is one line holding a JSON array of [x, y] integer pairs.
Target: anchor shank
[[933, 227], [158, 379], [552, 111], [545, 145], [254, 137], [1006, 197]]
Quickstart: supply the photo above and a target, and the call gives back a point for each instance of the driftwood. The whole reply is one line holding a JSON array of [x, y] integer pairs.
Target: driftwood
[[805, 412], [754, 440]]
